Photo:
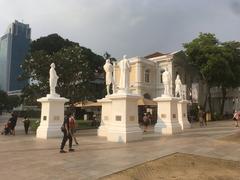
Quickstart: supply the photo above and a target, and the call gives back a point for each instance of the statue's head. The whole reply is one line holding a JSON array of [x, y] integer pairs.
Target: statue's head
[[107, 60], [124, 56], [52, 65]]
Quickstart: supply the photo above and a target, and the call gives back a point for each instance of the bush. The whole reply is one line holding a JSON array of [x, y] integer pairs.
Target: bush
[[34, 125], [81, 124]]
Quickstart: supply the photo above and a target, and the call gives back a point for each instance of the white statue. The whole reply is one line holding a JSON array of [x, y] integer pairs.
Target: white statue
[[178, 87], [114, 88], [108, 68], [166, 78], [124, 74], [53, 79]]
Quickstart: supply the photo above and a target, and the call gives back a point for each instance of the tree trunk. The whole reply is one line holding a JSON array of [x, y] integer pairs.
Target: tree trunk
[[205, 101], [210, 102], [223, 99]]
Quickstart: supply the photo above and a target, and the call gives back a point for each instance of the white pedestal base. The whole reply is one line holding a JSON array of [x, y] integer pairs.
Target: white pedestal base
[[105, 117], [123, 124], [167, 122], [52, 116], [182, 114], [124, 134], [45, 132]]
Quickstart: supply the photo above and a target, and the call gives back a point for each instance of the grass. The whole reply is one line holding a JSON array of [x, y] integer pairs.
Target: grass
[[81, 124]]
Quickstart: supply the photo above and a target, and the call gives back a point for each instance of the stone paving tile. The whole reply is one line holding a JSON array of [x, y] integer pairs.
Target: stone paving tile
[[26, 157]]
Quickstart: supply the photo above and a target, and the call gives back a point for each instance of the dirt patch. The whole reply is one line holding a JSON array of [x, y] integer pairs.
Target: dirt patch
[[180, 166]]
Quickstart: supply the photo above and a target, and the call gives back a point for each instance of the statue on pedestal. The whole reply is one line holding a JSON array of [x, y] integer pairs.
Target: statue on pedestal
[[124, 74], [178, 87], [108, 68], [53, 79], [166, 78]]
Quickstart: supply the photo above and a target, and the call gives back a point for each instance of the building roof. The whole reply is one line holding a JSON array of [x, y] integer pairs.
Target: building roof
[[153, 55], [141, 102]]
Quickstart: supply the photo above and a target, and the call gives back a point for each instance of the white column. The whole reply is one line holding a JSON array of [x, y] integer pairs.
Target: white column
[[105, 116], [52, 116], [124, 126], [182, 114], [170, 69], [138, 76], [167, 122]]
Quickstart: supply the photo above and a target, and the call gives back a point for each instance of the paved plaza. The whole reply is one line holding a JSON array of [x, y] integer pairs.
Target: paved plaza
[[24, 157]]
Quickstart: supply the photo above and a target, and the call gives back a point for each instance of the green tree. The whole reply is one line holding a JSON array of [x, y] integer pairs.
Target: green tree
[[216, 62], [51, 44], [201, 52], [230, 69], [3, 100], [77, 68], [12, 102]]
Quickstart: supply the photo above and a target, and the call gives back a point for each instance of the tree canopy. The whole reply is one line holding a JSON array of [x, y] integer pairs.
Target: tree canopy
[[8, 102], [217, 62], [3, 100], [51, 44], [77, 68]]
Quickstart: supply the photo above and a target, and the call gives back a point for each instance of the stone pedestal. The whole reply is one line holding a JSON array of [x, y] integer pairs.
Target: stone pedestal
[[123, 126], [105, 116], [167, 122], [182, 114], [52, 116]]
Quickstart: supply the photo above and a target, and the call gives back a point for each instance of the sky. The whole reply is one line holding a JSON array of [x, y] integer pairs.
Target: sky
[[131, 27]]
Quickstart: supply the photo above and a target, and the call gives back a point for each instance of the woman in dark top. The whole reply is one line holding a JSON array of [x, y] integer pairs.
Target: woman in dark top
[[26, 123], [66, 134]]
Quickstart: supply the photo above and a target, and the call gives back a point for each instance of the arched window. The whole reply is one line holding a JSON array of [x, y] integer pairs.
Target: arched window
[[147, 76]]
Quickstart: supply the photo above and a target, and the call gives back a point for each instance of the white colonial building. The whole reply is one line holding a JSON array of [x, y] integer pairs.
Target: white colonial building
[[146, 79]]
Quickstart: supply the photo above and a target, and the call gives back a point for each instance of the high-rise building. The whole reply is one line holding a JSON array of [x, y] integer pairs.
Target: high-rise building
[[14, 45]]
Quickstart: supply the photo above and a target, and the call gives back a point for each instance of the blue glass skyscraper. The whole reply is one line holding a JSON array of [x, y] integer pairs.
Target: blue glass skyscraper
[[14, 46]]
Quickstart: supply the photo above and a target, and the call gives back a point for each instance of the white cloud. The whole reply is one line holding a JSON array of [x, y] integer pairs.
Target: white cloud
[[135, 27]]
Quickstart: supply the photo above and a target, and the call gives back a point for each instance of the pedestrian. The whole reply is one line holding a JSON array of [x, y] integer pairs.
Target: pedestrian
[[145, 122], [236, 117], [13, 122], [72, 128], [26, 123], [66, 134], [149, 116], [7, 129]]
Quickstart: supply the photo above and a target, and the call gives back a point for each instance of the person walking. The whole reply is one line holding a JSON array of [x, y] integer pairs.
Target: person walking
[[26, 123], [72, 128], [145, 122], [236, 118], [13, 123], [66, 134]]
